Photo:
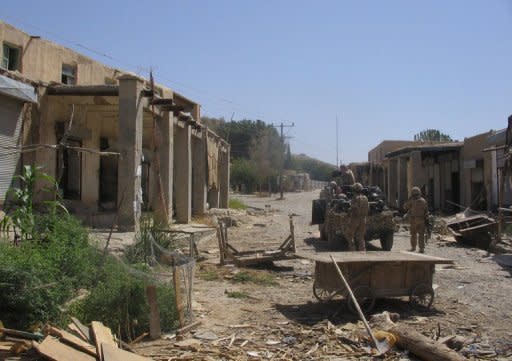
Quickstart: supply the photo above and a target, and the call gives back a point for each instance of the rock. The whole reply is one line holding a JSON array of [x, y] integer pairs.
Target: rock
[[289, 340], [188, 343], [205, 335], [456, 343]]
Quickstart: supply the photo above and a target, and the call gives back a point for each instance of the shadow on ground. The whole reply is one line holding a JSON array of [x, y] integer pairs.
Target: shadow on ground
[[337, 312], [505, 261]]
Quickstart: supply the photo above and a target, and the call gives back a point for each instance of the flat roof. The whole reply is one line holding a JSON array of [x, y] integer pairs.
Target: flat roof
[[442, 147]]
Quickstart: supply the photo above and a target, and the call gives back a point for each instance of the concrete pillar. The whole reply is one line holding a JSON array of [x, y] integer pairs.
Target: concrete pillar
[[402, 181], [183, 173], [393, 182], [130, 146], [213, 198], [90, 161], [437, 186], [163, 173], [416, 171], [224, 178], [199, 172], [494, 179]]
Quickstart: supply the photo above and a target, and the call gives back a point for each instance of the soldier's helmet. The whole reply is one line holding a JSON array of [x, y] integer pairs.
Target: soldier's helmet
[[358, 187], [416, 192]]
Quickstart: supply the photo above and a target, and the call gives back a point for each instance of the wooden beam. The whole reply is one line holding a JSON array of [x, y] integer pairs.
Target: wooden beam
[[177, 295], [162, 101], [52, 349], [72, 340], [95, 90], [154, 316], [418, 344], [111, 353], [101, 335], [84, 330]]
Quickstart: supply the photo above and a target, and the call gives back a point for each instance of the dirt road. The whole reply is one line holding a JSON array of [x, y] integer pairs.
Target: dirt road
[[270, 313]]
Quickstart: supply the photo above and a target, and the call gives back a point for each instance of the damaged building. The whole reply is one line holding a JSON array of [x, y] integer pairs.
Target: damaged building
[[451, 175], [116, 142]]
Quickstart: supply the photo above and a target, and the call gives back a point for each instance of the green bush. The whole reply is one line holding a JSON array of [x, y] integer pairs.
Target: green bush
[[53, 258], [119, 300], [235, 203], [41, 274]]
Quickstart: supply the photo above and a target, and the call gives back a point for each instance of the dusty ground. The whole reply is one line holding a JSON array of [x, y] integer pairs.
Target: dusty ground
[[279, 318]]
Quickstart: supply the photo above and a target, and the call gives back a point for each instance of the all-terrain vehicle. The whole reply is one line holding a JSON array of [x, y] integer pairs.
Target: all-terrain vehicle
[[331, 213]]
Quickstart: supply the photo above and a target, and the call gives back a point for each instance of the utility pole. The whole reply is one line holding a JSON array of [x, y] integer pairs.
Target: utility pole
[[282, 126], [337, 152]]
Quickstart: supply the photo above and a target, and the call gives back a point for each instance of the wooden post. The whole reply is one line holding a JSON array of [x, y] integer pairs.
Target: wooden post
[[292, 233], [221, 245], [177, 296], [154, 316]]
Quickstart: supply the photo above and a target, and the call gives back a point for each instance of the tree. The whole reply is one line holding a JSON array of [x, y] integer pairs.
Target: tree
[[243, 175], [266, 153], [432, 135], [288, 162]]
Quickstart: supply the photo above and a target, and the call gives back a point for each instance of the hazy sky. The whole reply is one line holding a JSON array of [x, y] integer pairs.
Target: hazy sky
[[387, 69]]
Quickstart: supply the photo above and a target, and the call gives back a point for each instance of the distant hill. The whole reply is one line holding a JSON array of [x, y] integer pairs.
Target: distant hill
[[317, 169]]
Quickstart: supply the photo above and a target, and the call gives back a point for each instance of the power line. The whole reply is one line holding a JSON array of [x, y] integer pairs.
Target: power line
[[139, 68]]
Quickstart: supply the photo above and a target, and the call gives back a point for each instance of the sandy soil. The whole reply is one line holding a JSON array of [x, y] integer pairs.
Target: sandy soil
[[280, 318]]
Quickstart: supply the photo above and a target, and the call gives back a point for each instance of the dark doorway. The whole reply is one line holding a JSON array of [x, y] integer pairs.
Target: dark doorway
[[69, 169], [430, 193], [478, 196], [144, 183], [108, 178], [455, 192]]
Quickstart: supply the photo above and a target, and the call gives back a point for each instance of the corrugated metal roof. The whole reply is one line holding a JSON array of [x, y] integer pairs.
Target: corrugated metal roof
[[17, 89]]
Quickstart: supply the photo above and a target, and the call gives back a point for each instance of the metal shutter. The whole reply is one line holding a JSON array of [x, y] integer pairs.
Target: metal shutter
[[10, 127]]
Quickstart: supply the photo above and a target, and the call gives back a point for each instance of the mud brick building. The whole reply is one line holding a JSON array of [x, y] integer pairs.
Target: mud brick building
[[116, 142], [465, 173]]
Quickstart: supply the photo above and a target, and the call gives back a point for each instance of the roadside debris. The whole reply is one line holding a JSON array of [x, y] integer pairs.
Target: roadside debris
[[418, 344], [60, 345]]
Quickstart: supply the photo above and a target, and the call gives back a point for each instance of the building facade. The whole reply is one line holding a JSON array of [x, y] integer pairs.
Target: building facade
[[116, 142]]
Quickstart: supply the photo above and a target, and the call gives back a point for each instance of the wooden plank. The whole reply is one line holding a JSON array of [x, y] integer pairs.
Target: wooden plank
[[221, 247], [101, 335], [72, 340], [154, 316], [76, 331], [84, 330], [374, 256], [54, 350], [111, 353], [6, 345]]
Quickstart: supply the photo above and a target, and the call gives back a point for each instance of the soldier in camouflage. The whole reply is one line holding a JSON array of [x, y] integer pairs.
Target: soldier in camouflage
[[417, 210], [358, 212], [346, 176]]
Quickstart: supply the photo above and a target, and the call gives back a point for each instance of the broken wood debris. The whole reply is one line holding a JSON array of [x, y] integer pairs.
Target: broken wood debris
[[60, 345]]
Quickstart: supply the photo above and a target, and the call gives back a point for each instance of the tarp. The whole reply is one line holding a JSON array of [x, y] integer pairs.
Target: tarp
[[17, 89]]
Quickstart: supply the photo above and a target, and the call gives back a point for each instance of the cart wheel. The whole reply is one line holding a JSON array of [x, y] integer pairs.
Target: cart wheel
[[364, 296], [422, 295], [322, 294]]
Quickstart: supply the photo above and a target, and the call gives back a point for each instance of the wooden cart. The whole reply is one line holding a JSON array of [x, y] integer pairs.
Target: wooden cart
[[374, 275], [229, 254]]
